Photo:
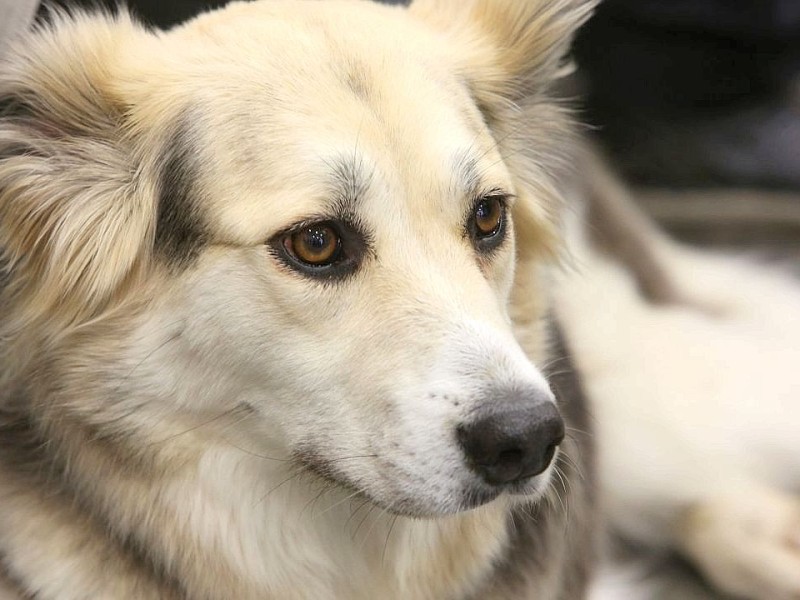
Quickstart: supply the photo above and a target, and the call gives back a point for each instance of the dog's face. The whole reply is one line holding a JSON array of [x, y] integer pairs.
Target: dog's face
[[329, 208]]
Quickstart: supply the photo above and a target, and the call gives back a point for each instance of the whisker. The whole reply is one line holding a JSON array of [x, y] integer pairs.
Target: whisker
[[574, 465], [337, 459], [565, 501], [293, 476], [339, 503], [361, 522], [149, 355], [552, 362], [353, 512], [386, 543], [559, 373], [214, 419], [313, 500], [371, 527], [256, 454], [557, 495], [581, 431]]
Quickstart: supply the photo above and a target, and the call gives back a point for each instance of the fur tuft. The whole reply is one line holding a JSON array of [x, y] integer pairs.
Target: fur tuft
[[515, 49], [74, 219]]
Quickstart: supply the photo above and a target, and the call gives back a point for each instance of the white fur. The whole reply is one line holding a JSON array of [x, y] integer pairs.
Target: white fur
[[696, 409]]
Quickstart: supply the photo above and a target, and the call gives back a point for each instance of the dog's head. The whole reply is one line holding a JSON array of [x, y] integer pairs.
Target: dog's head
[[308, 212]]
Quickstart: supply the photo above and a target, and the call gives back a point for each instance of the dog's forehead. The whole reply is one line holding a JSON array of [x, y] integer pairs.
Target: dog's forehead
[[298, 92]]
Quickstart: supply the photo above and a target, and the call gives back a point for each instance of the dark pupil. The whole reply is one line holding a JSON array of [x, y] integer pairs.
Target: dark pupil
[[317, 240], [487, 217]]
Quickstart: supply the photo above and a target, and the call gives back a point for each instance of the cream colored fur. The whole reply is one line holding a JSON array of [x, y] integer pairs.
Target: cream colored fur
[[166, 401], [695, 404], [171, 398]]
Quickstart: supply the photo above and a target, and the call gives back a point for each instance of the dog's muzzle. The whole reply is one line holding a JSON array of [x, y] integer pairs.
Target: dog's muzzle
[[512, 442]]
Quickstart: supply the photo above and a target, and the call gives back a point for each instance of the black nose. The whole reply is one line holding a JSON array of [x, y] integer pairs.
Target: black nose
[[512, 444]]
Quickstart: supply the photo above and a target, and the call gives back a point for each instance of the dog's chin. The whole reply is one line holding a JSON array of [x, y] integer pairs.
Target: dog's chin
[[433, 508], [402, 501]]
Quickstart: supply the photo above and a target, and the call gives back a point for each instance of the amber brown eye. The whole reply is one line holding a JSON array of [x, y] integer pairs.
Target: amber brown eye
[[316, 245], [487, 223], [327, 250], [488, 216]]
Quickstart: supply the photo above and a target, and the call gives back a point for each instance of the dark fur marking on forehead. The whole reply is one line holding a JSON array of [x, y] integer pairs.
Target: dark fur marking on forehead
[[357, 79], [180, 229], [466, 175], [350, 180]]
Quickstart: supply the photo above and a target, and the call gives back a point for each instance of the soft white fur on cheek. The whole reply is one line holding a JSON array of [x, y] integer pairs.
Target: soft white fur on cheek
[[243, 332]]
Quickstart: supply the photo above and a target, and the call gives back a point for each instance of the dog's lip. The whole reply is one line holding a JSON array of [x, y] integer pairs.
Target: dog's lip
[[477, 494], [531, 488]]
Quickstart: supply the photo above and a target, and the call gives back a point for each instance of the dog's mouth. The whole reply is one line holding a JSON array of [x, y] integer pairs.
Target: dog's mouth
[[404, 501]]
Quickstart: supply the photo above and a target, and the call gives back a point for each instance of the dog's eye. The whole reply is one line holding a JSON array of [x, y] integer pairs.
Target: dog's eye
[[326, 250], [315, 245], [488, 216], [488, 221]]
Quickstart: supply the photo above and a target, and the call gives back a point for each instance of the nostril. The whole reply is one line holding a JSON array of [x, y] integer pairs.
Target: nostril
[[537, 467], [505, 468], [511, 457]]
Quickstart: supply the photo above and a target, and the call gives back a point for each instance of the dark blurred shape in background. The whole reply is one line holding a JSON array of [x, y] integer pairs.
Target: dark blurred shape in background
[[161, 13], [697, 92]]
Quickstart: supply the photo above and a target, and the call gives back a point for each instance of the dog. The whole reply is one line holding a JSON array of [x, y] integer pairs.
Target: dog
[[275, 306], [688, 358]]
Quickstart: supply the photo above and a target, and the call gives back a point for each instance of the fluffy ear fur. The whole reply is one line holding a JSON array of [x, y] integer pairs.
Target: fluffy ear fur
[[512, 49], [509, 53], [73, 217]]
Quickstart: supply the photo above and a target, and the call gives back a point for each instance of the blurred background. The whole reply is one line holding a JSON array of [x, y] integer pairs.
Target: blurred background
[[696, 102]]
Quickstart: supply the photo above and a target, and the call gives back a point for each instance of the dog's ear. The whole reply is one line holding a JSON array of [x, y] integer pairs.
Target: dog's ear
[[508, 50], [74, 218]]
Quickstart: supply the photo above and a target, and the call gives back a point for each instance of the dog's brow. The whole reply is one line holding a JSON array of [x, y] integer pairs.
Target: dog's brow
[[466, 175], [350, 179]]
